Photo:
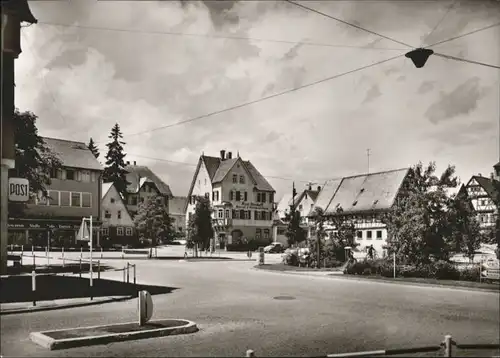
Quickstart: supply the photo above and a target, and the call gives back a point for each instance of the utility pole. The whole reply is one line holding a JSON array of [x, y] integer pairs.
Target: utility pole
[[368, 157], [292, 213]]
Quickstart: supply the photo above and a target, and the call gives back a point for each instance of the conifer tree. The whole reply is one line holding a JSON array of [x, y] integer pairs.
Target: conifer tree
[[114, 170], [93, 148]]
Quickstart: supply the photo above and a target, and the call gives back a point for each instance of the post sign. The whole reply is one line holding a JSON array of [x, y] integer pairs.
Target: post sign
[[19, 189]]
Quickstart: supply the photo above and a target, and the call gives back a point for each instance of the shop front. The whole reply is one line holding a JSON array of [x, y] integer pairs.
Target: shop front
[[53, 233]]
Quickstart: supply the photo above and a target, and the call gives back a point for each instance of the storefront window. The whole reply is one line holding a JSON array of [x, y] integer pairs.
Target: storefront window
[[76, 199], [64, 198], [86, 200]]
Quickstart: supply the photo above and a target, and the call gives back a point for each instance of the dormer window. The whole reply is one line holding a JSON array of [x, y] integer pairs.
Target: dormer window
[[235, 178]]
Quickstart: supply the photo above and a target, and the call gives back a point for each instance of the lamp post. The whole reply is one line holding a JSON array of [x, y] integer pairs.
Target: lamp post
[[13, 13]]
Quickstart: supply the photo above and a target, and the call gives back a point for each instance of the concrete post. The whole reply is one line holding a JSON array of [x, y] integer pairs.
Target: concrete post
[[250, 353], [447, 346]]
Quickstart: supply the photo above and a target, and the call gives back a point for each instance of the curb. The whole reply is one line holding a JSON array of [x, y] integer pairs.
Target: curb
[[62, 306], [341, 276], [50, 343]]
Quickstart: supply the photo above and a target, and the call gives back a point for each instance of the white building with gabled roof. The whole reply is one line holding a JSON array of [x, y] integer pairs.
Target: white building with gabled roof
[[242, 199], [117, 223]]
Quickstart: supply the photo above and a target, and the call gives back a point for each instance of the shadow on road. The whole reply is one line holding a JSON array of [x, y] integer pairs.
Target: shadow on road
[[67, 268], [53, 287]]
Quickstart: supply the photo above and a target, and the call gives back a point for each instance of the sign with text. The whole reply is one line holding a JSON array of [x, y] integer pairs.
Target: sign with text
[[249, 206], [19, 189], [84, 232], [491, 269]]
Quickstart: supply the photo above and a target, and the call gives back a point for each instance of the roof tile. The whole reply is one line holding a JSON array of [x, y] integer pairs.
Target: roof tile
[[136, 175], [73, 154]]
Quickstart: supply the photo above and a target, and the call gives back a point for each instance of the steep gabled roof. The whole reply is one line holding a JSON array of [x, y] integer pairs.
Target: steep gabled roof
[[136, 175], [326, 194], [212, 164], [313, 194], [105, 189], [260, 182], [73, 154], [224, 168], [367, 192], [490, 186]]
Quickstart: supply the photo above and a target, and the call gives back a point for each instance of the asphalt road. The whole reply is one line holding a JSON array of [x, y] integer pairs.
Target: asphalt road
[[234, 308]]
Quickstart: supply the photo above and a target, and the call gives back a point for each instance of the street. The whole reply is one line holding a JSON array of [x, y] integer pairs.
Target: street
[[233, 305]]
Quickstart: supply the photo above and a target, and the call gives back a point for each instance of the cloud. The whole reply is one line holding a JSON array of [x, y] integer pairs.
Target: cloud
[[166, 67], [462, 100]]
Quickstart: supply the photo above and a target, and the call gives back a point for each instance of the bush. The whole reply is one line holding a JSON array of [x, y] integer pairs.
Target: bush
[[445, 271], [291, 259], [470, 274]]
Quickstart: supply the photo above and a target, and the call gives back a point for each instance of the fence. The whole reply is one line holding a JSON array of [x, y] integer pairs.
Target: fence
[[447, 346]]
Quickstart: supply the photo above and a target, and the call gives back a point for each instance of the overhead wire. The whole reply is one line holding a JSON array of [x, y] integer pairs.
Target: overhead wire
[[195, 164], [240, 38], [464, 60], [440, 21], [262, 98], [347, 23], [463, 35]]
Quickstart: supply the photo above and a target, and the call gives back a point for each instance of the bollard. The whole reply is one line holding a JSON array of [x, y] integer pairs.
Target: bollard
[[128, 275], [34, 265], [22, 250], [98, 269], [124, 268], [46, 251], [11, 248], [62, 252], [32, 250], [250, 353], [447, 345], [33, 286], [81, 252], [91, 286], [134, 274], [123, 253], [101, 252], [80, 267]]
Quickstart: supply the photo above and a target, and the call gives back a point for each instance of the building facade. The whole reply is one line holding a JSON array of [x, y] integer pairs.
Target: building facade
[[176, 210], [363, 199], [144, 185], [117, 224], [74, 193], [484, 194], [241, 198]]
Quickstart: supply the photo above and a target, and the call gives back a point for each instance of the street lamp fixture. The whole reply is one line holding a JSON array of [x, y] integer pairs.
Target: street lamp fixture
[[419, 56]]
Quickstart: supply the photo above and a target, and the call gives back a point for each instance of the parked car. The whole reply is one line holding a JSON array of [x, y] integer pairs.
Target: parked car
[[274, 248]]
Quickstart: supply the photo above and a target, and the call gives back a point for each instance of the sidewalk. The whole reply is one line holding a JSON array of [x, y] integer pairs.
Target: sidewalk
[[24, 307]]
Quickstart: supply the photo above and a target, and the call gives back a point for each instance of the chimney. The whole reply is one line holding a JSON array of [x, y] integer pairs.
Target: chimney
[[310, 187], [135, 162], [222, 154], [479, 175], [229, 155], [128, 163], [319, 188]]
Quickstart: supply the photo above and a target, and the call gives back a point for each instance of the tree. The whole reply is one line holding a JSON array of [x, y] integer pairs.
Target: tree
[[295, 233], [466, 234], [200, 230], [153, 221], [35, 161], [93, 148], [344, 236], [317, 244], [115, 166], [418, 225]]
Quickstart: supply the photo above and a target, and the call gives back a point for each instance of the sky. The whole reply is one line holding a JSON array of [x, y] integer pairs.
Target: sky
[[146, 64]]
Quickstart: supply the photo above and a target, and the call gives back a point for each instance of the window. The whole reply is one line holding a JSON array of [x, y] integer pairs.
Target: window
[[258, 197], [256, 215], [242, 214], [227, 214], [133, 200], [369, 235], [300, 207], [107, 214], [70, 174], [359, 234], [235, 178], [86, 200], [76, 199], [128, 231], [205, 181], [217, 195], [238, 196], [94, 177], [221, 214], [266, 233], [231, 195], [379, 234], [246, 196], [263, 215], [271, 197], [119, 231], [242, 179], [263, 197], [119, 213], [257, 233], [207, 195], [64, 198], [53, 198], [247, 214], [105, 231], [236, 214], [112, 200], [85, 176], [281, 231], [213, 195]]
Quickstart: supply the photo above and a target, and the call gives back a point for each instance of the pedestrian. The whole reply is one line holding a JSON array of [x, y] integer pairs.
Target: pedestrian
[[370, 252]]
